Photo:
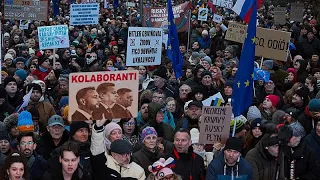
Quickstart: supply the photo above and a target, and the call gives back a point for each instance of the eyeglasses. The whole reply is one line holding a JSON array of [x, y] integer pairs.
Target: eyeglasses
[[23, 143], [129, 123]]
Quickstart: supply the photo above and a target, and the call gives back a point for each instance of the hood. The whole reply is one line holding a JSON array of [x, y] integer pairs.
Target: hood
[[10, 121], [306, 111], [153, 108]]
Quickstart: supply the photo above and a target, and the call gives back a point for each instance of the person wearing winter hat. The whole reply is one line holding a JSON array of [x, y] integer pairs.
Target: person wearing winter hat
[[63, 103], [8, 59], [253, 136], [79, 131], [199, 148], [162, 170], [45, 97], [20, 63], [149, 150], [205, 40], [240, 130], [20, 75], [263, 158], [112, 132], [12, 52], [269, 106], [194, 58], [78, 63], [300, 160], [310, 117], [45, 109], [10, 124], [292, 76], [206, 62], [300, 99], [25, 123], [230, 164], [267, 64], [160, 82], [43, 68], [253, 113], [229, 55], [14, 96]]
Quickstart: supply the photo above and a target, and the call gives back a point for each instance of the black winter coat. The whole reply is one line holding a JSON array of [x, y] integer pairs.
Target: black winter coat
[[307, 166], [5, 110]]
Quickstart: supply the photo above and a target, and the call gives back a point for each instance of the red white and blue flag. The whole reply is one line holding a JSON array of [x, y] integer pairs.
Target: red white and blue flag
[[211, 5], [244, 8]]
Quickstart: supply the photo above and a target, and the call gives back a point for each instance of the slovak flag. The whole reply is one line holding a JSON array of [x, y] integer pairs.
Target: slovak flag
[[211, 5], [244, 8]]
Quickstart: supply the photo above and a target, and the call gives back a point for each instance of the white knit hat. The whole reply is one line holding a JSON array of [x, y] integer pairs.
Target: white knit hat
[[8, 56], [253, 113], [194, 135]]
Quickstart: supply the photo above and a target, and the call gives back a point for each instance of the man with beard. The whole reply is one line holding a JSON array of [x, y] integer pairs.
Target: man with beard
[[193, 114], [45, 109], [142, 118], [37, 165], [88, 101], [230, 164]]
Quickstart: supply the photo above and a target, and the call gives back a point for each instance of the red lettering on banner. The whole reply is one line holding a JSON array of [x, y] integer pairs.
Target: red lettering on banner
[[99, 77], [81, 78], [74, 79], [112, 77]]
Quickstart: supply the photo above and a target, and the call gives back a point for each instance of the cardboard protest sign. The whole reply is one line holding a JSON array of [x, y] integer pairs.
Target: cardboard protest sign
[[270, 43], [203, 14], [158, 17], [215, 124], [296, 12], [26, 9], [113, 94], [52, 37], [224, 3], [236, 32], [279, 15], [217, 18], [84, 14], [144, 46], [130, 4]]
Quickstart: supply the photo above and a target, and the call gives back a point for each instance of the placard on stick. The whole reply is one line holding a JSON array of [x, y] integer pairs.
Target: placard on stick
[[215, 124], [280, 15], [296, 13]]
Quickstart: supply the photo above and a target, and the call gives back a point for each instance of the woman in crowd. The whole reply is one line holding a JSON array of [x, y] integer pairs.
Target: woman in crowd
[[144, 77], [218, 81], [268, 107], [253, 136], [112, 132], [14, 168], [171, 105], [130, 130]]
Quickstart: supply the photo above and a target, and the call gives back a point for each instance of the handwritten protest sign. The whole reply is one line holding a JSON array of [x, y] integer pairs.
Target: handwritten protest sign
[[113, 94], [203, 14], [215, 124], [144, 46], [296, 12], [279, 15], [52, 37], [26, 9], [158, 17], [84, 14], [224, 3], [269, 43]]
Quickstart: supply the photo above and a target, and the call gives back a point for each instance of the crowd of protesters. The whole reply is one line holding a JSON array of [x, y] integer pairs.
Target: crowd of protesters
[[278, 137]]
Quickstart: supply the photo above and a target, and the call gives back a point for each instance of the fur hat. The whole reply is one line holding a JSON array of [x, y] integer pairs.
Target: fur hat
[[10, 121]]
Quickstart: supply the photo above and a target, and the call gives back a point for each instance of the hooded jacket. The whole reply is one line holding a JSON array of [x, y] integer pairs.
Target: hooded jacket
[[307, 166], [153, 109], [218, 170], [307, 121], [263, 164]]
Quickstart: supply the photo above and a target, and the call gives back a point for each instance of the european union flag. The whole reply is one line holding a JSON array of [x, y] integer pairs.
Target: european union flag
[[115, 4], [55, 9], [173, 51], [260, 74], [243, 86]]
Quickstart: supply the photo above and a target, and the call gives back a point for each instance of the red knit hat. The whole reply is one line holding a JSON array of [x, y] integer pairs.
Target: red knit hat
[[274, 99]]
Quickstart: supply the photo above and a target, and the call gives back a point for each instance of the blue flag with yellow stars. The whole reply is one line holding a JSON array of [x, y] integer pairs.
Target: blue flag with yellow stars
[[173, 51], [243, 84]]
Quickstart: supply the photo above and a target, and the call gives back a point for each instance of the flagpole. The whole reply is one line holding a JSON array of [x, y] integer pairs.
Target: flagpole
[[141, 10], [234, 126], [189, 19]]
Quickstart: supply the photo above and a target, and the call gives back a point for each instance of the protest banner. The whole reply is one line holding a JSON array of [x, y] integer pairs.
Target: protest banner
[[158, 17], [279, 15], [112, 94], [26, 9], [203, 14], [270, 43], [296, 12], [224, 3], [24, 24], [84, 14], [217, 18], [144, 46], [214, 124], [51, 37]]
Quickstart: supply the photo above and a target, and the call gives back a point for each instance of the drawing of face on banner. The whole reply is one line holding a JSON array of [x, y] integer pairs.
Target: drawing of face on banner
[[94, 94]]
